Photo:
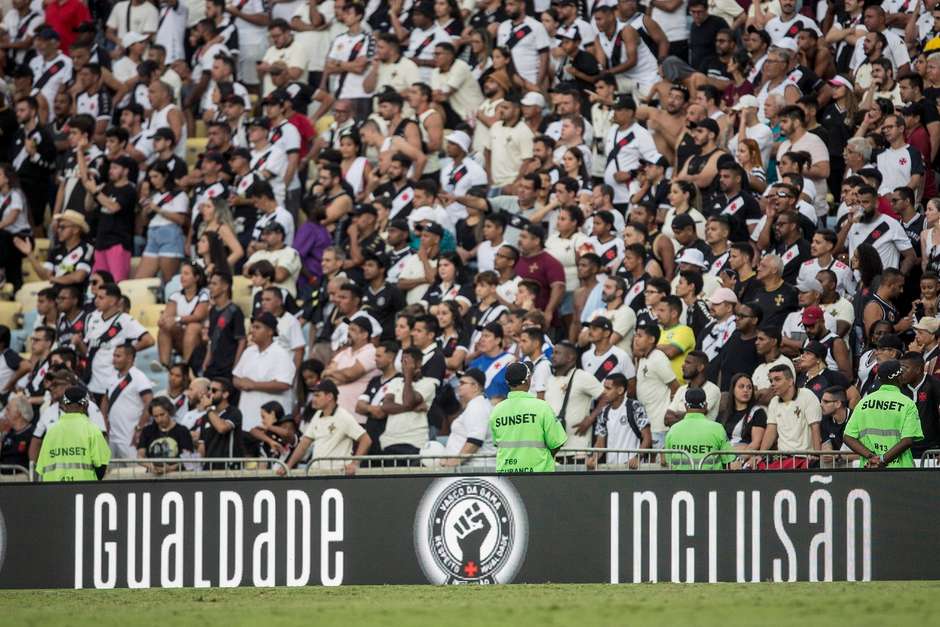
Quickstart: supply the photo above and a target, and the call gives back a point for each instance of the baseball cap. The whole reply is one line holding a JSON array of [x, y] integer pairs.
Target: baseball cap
[[399, 223], [364, 208], [267, 319], [787, 43], [808, 284], [624, 101], [890, 370], [747, 101], [273, 227], [816, 348], [263, 122], [434, 229], [533, 99], [461, 139], [837, 80], [812, 314], [75, 395], [692, 256], [602, 322], [695, 398], [477, 375], [516, 373], [131, 38], [708, 124], [326, 385], [928, 324], [723, 295]]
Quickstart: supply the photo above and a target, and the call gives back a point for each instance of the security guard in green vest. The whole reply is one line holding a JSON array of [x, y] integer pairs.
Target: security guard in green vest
[[73, 449], [526, 433], [696, 435], [885, 423]]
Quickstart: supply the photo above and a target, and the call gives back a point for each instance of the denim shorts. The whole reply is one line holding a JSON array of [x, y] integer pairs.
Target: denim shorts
[[164, 241]]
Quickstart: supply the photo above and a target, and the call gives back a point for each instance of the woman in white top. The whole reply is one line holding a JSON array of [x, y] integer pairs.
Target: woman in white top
[[930, 237], [14, 222], [683, 198], [183, 317], [565, 244], [356, 168], [216, 217], [747, 155], [168, 209]]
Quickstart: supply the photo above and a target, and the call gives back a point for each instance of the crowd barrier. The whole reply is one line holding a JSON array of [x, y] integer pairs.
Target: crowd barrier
[[184, 468]]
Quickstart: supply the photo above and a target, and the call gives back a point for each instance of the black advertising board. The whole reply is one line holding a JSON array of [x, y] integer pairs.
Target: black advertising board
[[578, 528]]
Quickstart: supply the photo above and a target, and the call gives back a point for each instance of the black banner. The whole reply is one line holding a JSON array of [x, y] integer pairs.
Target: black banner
[[604, 527]]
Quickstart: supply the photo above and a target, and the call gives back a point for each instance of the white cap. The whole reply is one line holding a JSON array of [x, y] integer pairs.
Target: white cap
[[533, 99], [747, 101], [461, 139], [722, 295], [787, 43], [692, 256], [808, 284], [130, 38], [840, 80]]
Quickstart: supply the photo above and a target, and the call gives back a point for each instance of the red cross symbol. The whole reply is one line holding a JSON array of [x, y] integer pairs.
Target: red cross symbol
[[902, 161], [471, 569]]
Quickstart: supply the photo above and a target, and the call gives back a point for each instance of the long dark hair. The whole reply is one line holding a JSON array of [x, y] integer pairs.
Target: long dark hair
[[217, 256], [727, 415], [455, 315], [869, 264]]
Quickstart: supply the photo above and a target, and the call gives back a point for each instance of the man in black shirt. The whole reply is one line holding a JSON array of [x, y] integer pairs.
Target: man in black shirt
[[792, 249], [220, 435], [776, 298], [737, 204], [114, 241], [815, 376], [362, 237], [577, 66], [382, 299], [370, 401], [424, 337], [925, 391], [33, 155], [226, 329], [835, 415], [739, 354]]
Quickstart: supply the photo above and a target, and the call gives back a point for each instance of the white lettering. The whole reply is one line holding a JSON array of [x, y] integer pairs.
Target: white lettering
[[198, 580], [171, 513], [858, 497], [740, 529], [132, 580], [295, 498], [79, 541], [678, 499], [228, 498], [790, 498], [712, 536], [822, 539], [110, 548], [649, 498], [265, 541], [614, 537], [330, 533]]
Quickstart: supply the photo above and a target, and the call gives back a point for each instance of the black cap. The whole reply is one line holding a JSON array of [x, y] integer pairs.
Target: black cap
[[516, 374], [267, 319], [816, 348], [326, 385], [263, 122], [890, 370], [477, 375], [75, 395], [682, 221], [164, 132], [434, 229], [125, 162], [891, 341], [399, 223], [695, 398], [277, 97], [48, 33], [624, 101], [364, 208], [244, 153], [602, 322], [709, 124], [273, 227]]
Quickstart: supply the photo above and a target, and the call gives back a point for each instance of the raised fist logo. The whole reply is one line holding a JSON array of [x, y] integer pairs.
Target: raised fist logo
[[472, 528]]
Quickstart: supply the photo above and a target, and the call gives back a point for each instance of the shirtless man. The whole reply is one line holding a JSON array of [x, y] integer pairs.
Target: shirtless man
[[668, 124]]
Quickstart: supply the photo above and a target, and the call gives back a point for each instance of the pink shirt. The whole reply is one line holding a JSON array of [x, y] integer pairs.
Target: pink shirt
[[349, 392]]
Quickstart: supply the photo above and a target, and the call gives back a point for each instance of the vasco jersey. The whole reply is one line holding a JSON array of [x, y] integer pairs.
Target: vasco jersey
[[349, 47], [64, 262], [125, 404], [286, 137], [271, 163], [401, 200], [97, 105], [102, 337], [623, 428], [611, 252], [780, 30], [613, 361], [624, 149], [744, 213], [845, 279], [884, 233], [897, 166], [421, 45], [50, 76], [457, 179], [50, 415], [525, 42]]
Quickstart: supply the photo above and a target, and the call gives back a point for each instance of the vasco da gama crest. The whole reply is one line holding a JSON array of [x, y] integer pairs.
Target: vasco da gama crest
[[471, 530]]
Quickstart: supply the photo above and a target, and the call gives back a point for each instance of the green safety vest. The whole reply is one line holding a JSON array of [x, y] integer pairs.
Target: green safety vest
[[882, 419], [525, 432], [697, 435], [71, 450]]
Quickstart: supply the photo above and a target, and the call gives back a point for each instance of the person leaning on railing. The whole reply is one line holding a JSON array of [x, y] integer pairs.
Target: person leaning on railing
[[698, 436]]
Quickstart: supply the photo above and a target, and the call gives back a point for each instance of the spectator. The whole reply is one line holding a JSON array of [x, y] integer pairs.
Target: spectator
[[406, 429], [621, 425], [603, 358], [693, 371], [492, 361], [924, 390], [353, 366], [220, 432], [163, 438], [264, 372], [697, 436], [470, 432], [182, 320], [743, 417], [275, 249], [70, 262], [126, 406], [226, 329], [793, 417], [17, 432], [677, 339], [774, 296], [656, 380]]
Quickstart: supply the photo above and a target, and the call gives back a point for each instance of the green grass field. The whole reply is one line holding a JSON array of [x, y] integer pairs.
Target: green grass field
[[725, 605]]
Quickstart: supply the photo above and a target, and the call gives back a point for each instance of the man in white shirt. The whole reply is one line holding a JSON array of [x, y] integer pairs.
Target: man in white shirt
[[881, 231], [406, 429], [627, 142], [470, 432], [348, 60], [655, 379], [753, 128], [603, 358], [126, 403], [510, 143], [900, 164], [793, 417], [285, 259], [289, 334], [462, 174], [623, 424], [874, 20], [265, 372], [285, 49], [793, 125], [531, 340], [570, 393], [422, 40], [139, 16], [528, 43], [51, 69], [789, 23], [267, 160], [453, 81], [250, 21]]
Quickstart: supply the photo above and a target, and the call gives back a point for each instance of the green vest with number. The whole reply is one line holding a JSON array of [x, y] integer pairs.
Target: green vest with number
[[525, 432], [72, 449]]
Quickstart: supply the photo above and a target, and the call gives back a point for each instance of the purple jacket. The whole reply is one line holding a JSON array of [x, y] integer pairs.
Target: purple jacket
[[310, 242]]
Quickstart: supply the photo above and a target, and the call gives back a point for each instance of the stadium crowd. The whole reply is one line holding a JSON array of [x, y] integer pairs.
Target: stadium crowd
[[359, 215]]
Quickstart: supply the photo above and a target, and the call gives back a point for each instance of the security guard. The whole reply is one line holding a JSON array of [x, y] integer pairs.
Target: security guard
[[697, 435], [885, 423], [73, 449], [526, 433]]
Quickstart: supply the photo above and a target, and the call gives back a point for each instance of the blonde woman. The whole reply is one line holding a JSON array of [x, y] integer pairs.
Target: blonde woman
[[747, 155], [216, 217]]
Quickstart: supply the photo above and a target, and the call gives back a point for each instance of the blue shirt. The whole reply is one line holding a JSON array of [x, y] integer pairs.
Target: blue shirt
[[495, 370]]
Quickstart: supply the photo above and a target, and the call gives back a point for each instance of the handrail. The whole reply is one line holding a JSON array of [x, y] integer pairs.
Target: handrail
[[709, 458], [196, 463], [650, 453], [16, 470], [430, 461]]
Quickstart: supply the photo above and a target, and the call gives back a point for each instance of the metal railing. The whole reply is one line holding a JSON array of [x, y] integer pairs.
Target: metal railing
[[189, 467], [930, 458], [777, 460], [409, 464], [14, 473], [620, 459]]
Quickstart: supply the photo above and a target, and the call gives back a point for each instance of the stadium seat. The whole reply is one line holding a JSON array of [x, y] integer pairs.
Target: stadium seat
[[147, 314], [324, 123], [29, 273], [241, 294], [42, 246], [29, 293], [141, 291], [194, 147], [9, 314], [135, 261], [201, 129]]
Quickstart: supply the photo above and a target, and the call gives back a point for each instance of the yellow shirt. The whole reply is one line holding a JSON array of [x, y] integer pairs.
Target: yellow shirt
[[682, 338]]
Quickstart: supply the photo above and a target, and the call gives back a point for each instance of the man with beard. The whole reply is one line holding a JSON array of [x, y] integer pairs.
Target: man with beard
[[739, 205], [667, 123], [622, 317], [396, 195], [528, 42], [821, 248], [881, 307], [881, 231], [627, 143], [702, 168], [34, 155], [390, 110]]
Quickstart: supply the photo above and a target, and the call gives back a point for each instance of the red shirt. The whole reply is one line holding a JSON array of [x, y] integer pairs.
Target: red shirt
[[62, 17], [306, 131], [544, 270], [919, 139]]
